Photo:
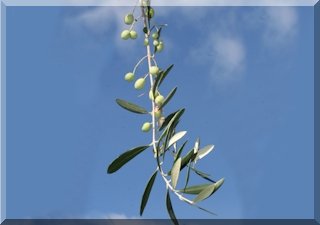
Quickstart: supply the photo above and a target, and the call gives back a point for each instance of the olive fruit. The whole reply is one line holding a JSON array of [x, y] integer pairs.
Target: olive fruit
[[155, 42], [159, 100], [125, 34], [133, 34], [139, 84], [150, 13], [146, 127], [160, 46], [151, 97], [146, 41], [155, 35], [128, 19], [157, 113], [129, 76], [154, 70]]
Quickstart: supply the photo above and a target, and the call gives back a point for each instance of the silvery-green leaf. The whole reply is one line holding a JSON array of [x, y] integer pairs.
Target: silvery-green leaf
[[204, 151], [168, 98], [194, 190], [176, 138], [208, 191], [125, 157], [170, 209], [175, 172], [180, 150], [147, 191], [196, 145], [131, 107]]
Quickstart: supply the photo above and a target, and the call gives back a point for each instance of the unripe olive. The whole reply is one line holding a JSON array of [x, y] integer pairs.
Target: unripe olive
[[128, 19], [159, 100], [146, 127], [155, 42], [125, 34], [157, 113], [155, 35], [133, 34], [154, 70], [129, 77], [160, 46], [161, 121], [150, 12], [139, 84], [151, 97], [146, 41]]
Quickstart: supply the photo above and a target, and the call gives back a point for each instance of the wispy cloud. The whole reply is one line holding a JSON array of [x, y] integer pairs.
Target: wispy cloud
[[225, 49], [280, 25], [225, 55]]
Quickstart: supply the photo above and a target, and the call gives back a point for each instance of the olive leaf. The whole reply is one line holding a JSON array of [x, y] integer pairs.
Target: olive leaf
[[176, 137], [147, 191], [168, 98], [194, 190], [175, 172], [180, 150], [170, 209], [208, 191], [125, 157], [131, 107], [159, 79], [204, 151]]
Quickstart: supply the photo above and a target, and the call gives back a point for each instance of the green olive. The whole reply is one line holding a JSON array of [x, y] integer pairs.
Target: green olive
[[154, 70], [146, 41], [128, 19], [146, 127], [155, 42], [125, 34], [139, 84], [151, 95], [155, 35], [129, 77], [133, 34], [157, 113], [159, 100], [160, 46]]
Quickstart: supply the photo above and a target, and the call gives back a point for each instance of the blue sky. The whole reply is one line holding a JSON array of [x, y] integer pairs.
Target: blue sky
[[244, 75]]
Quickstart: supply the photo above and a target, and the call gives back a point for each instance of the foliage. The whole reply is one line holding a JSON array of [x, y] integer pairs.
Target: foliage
[[164, 133]]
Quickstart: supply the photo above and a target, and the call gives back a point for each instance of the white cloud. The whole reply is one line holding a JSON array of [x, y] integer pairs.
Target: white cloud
[[225, 55], [280, 25]]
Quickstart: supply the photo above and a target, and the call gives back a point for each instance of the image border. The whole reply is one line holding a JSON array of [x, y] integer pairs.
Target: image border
[[12, 3]]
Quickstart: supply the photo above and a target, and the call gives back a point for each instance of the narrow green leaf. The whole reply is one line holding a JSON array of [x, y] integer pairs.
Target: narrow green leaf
[[175, 172], [189, 157], [171, 117], [203, 175], [168, 98], [208, 191], [176, 138], [180, 150], [164, 74], [204, 151], [159, 79], [185, 160], [131, 107], [170, 209], [196, 145], [194, 190], [147, 191], [188, 175], [125, 157]]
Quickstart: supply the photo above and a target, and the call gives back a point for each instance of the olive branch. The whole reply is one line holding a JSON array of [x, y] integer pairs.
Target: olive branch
[[164, 128]]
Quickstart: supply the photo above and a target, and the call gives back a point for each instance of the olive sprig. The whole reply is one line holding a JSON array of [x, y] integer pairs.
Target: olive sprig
[[165, 136]]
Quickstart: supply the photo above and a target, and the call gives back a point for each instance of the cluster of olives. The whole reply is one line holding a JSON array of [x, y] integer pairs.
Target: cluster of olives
[[156, 42], [153, 70], [126, 34]]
